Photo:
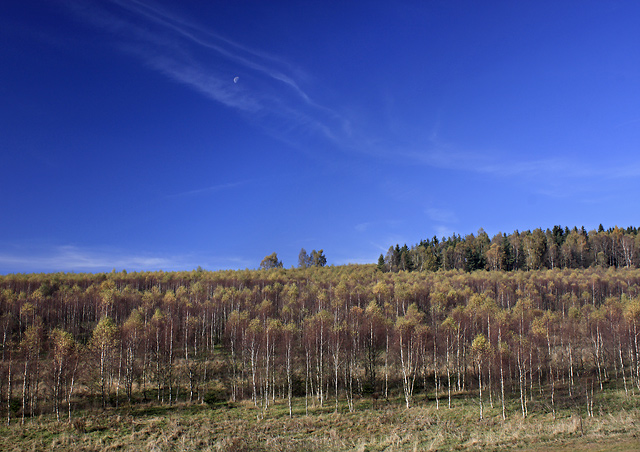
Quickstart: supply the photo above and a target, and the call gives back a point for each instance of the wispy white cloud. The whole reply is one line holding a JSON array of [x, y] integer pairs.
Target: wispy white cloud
[[215, 42], [383, 248], [443, 231], [268, 89], [275, 94], [69, 258], [564, 168], [628, 171], [362, 227], [486, 162], [441, 215], [377, 225], [628, 123], [502, 164], [443, 221], [212, 86], [211, 189]]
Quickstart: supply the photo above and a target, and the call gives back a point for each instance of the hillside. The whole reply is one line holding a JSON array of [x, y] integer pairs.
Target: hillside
[[507, 345]]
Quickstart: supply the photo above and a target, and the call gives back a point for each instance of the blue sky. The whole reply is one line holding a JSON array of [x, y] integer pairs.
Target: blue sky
[[352, 126]]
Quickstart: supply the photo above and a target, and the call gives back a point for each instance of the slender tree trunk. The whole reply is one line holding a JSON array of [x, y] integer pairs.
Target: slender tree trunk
[[596, 344], [448, 374], [386, 368], [289, 390], [9, 392], [489, 384], [266, 379], [350, 379], [458, 360], [158, 378], [57, 389], [570, 370], [530, 372], [306, 387], [24, 389], [490, 362], [408, 371], [253, 372], [523, 397], [336, 368], [34, 399], [118, 384], [504, 413], [405, 379], [553, 391], [234, 368], [321, 366], [480, 389], [103, 382], [71, 385], [624, 377], [170, 369], [635, 339], [435, 367]]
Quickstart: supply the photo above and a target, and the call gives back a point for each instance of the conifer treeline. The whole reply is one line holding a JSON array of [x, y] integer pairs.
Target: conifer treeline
[[330, 335], [528, 250]]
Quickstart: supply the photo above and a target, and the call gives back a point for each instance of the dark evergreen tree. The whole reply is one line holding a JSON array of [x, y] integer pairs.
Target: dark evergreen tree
[[318, 258], [507, 249], [472, 260], [406, 262], [397, 256], [558, 235]]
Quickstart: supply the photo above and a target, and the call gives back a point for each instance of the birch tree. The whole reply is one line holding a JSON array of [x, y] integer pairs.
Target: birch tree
[[104, 343], [408, 330]]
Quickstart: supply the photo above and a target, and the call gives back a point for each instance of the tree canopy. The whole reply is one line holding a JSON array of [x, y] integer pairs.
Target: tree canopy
[[270, 261], [528, 250]]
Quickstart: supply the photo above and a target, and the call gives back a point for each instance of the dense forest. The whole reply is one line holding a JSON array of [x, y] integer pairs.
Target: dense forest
[[528, 250], [330, 335]]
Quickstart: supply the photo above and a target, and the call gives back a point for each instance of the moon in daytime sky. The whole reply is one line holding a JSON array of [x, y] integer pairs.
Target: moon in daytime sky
[[235, 79]]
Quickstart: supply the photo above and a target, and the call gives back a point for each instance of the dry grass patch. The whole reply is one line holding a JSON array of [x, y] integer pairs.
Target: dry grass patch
[[244, 427]]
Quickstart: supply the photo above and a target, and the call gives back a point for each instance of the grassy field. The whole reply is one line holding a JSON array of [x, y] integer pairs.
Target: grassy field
[[387, 426]]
